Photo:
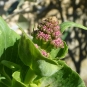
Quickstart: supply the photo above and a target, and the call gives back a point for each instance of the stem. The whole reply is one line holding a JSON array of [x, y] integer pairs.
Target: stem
[[30, 76], [3, 73]]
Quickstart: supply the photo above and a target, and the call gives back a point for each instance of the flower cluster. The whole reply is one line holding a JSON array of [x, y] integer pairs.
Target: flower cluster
[[43, 36], [43, 52], [49, 30]]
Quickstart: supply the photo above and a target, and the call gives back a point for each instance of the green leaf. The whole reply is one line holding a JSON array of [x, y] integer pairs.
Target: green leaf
[[63, 78], [4, 77], [43, 68], [65, 25], [27, 50], [4, 82], [7, 36], [33, 85], [60, 52], [8, 50], [17, 80], [11, 65], [54, 52], [30, 76]]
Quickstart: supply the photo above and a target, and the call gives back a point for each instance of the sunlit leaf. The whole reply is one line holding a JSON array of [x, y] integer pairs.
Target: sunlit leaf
[[66, 25], [10, 65], [17, 81], [43, 68], [60, 52], [5, 79], [7, 36], [63, 78]]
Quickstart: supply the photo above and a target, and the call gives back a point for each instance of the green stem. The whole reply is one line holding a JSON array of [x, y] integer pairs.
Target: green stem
[[3, 73], [30, 76]]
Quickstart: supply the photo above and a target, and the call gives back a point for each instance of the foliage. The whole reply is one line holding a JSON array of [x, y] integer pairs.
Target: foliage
[[23, 64]]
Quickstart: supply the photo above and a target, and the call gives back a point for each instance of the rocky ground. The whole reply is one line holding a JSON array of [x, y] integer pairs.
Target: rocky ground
[[12, 23]]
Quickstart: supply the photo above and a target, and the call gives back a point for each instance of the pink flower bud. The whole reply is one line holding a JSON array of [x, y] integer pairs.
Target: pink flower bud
[[56, 34], [47, 37], [58, 43], [40, 35], [44, 28], [44, 53], [43, 36], [56, 28], [36, 45]]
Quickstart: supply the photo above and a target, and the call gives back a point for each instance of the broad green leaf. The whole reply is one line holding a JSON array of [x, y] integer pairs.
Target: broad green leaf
[[11, 55], [60, 52], [65, 25], [27, 51], [7, 36], [43, 68], [8, 49], [17, 80], [63, 78]]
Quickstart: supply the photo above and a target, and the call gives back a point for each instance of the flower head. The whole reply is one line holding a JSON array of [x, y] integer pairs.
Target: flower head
[[49, 30], [43, 36]]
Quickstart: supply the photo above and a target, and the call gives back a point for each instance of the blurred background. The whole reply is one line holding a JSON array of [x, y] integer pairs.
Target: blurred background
[[27, 13]]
